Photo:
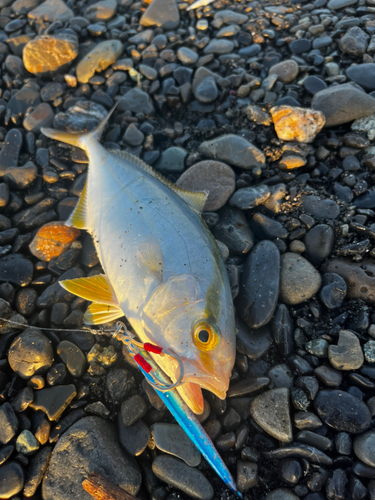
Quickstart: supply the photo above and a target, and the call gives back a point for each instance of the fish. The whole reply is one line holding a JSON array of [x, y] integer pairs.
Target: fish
[[162, 267]]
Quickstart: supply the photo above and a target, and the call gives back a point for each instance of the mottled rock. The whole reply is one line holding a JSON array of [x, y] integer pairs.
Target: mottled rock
[[354, 42], [213, 176], [91, 444], [299, 280], [98, 59], [271, 410], [297, 124], [47, 54], [52, 240]]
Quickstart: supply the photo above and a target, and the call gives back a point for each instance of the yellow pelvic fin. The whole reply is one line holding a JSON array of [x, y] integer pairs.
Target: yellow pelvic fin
[[150, 258], [195, 199], [98, 314], [95, 288], [79, 140], [78, 218]]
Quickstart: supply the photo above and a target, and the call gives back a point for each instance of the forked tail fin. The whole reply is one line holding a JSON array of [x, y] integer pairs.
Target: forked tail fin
[[79, 140]]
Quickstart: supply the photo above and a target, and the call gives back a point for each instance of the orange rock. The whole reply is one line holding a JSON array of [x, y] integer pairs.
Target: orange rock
[[297, 124], [53, 239]]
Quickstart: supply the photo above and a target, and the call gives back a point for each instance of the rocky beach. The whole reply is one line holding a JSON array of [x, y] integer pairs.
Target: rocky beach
[[269, 106]]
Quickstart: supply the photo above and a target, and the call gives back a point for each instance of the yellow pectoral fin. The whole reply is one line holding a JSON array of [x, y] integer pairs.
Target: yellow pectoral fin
[[78, 218], [98, 314], [95, 288]]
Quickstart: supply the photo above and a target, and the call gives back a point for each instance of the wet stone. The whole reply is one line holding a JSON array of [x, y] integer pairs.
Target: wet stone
[[8, 423], [133, 409], [73, 358], [213, 176], [314, 439], [11, 479], [134, 438], [171, 439], [282, 329], [257, 303], [54, 400], [307, 420], [233, 150], [347, 355], [271, 410], [90, 444], [189, 480], [250, 197], [343, 443], [290, 471], [30, 353], [321, 209], [299, 280], [342, 411]]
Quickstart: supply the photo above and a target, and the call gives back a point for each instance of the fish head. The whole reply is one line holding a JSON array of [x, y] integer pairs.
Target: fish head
[[199, 327]]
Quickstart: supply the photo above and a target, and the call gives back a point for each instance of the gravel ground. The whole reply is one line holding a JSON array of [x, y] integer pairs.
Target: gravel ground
[[270, 107]]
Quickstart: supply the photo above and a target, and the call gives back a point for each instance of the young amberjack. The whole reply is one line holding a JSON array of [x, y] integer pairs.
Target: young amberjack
[[163, 269]]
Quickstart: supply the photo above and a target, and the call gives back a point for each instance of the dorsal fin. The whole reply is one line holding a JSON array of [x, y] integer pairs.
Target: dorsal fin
[[78, 218], [195, 199]]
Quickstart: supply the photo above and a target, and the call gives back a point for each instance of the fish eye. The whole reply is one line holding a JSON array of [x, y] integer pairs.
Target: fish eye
[[205, 336]]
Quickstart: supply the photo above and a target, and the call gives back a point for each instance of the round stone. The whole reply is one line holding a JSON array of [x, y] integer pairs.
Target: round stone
[[286, 71], [206, 91], [11, 479], [73, 358], [187, 56], [213, 176], [30, 353], [299, 280], [342, 411], [364, 447]]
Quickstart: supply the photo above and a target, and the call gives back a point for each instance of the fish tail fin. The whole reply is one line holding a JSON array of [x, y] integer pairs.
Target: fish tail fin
[[79, 140]]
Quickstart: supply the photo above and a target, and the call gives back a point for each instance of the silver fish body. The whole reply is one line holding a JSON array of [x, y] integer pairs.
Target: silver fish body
[[164, 267]]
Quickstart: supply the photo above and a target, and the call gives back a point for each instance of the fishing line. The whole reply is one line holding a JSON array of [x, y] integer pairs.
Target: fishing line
[[136, 349]]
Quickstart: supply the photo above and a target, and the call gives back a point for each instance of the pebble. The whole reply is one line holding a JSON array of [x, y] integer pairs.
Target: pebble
[[247, 475], [342, 104], [254, 343], [213, 176], [364, 447], [297, 124], [73, 358], [54, 400], [369, 351], [52, 239], [11, 479], [321, 209], [297, 450], [206, 91], [219, 47], [347, 355], [329, 376], [342, 411], [187, 479], [134, 439], [234, 231], [41, 116], [8, 423], [354, 42], [299, 280], [187, 56], [26, 443], [137, 101], [234, 150], [133, 409], [250, 197], [36, 471], [286, 71], [171, 439], [259, 289], [50, 11], [172, 160], [271, 410], [281, 494], [30, 354], [319, 242], [359, 277], [101, 11], [161, 13], [98, 59], [89, 444], [46, 54], [10, 152], [363, 74], [21, 177]]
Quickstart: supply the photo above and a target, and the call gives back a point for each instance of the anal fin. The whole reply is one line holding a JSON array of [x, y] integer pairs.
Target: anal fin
[[78, 218], [95, 288], [98, 314]]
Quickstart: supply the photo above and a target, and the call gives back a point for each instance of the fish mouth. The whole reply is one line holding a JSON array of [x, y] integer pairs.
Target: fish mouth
[[217, 384]]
